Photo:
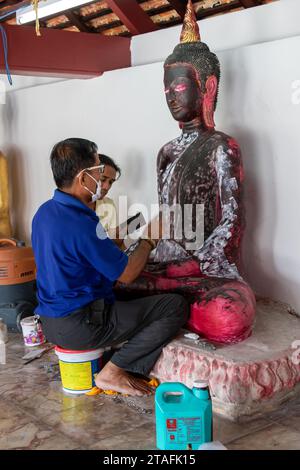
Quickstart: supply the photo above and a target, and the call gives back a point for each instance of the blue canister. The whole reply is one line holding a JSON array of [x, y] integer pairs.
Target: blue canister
[[183, 416]]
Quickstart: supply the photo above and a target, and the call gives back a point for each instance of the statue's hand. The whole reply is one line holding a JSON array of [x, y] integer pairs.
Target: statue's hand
[[213, 263]]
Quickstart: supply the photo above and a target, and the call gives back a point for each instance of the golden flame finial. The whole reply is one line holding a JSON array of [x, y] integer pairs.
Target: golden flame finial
[[190, 30]]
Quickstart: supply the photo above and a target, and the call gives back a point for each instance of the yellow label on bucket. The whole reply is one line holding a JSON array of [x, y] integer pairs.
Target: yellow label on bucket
[[76, 376]]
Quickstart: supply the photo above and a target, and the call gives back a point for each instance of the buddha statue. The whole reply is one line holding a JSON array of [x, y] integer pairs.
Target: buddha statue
[[201, 167]]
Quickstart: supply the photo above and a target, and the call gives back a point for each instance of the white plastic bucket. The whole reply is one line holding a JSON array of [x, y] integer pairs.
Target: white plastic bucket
[[32, 332], [78, 369]]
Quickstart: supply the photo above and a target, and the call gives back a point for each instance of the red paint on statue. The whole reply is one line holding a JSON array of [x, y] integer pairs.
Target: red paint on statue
[[234, 146], [185, 269], [220, 310], [227, 317]]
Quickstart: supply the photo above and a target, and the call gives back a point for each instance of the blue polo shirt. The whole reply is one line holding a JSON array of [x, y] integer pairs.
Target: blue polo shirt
[[74, 266]]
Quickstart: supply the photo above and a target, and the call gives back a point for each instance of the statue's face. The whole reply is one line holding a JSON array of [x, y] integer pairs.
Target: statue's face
[[183, 92]]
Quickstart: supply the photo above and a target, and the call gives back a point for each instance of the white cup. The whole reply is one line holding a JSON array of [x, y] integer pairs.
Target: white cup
[[32, 331]]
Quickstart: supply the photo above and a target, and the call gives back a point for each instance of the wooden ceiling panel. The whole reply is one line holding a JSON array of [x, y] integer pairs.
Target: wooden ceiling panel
[[129, 17], [117, 31], [72, 28], [203, 5], [154, 5], [97, 7], [105, 20], [58, 20], [166, 17], [12, 21]]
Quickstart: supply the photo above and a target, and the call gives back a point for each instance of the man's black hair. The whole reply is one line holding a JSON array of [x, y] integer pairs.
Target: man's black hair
[[69, 157], [109, 162]]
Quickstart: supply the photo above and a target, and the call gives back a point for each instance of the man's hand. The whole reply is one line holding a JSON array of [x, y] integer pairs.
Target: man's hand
[[136, 262]]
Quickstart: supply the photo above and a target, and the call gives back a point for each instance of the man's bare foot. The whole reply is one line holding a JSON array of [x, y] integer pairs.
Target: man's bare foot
[[114, 378]]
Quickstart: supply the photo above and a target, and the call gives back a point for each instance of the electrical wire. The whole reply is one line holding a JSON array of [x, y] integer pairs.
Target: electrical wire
[[5, 45]]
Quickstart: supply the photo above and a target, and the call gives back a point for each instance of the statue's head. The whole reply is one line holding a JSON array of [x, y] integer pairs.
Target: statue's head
[[192, 75]]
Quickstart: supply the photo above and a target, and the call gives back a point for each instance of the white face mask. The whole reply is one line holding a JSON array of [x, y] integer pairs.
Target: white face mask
[[97, 195]]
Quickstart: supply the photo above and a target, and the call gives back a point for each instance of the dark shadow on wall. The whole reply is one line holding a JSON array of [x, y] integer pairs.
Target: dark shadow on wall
[[259, 268], [18, 196]]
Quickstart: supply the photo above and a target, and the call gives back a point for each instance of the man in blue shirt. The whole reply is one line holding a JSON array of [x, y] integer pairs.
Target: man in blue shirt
[[77, 266]]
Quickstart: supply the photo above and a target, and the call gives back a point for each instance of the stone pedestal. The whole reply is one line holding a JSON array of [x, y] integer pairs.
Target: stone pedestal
[[246, 379]]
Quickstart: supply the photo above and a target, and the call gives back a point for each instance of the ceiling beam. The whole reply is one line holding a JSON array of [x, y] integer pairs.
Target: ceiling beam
[[250, 3], [62, 54], [132, 16], [76, 21], [178, 7]]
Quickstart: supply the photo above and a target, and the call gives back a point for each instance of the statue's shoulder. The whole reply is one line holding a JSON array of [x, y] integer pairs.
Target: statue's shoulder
[[165, 151], [168, 147], [225, 142]]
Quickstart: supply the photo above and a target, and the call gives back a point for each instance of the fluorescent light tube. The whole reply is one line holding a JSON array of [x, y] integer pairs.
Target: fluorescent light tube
[[47, 8]]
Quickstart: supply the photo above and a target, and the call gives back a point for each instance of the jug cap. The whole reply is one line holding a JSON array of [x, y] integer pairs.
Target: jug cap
[[200, 384]]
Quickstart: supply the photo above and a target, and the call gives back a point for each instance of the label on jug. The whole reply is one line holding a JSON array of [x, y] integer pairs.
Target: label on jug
[[182, 430]]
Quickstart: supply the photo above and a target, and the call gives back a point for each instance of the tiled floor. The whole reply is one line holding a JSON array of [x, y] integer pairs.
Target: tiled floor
[[35, 414]]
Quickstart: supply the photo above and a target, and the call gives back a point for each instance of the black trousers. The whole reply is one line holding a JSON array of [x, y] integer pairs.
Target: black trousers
[[146, 325]]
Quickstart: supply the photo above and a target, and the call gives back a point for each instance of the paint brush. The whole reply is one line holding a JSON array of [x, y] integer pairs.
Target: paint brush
[[32, 355]]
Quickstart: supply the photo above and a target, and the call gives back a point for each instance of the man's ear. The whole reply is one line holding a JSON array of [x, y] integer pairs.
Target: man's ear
[[81, 179], [211, 88]]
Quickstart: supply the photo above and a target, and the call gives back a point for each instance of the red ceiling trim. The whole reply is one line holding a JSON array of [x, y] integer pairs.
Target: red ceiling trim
[[63, 53]]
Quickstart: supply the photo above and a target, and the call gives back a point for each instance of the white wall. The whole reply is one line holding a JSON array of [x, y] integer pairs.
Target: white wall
[[125, 113], [111, 110], [19, 82], [259, 107]]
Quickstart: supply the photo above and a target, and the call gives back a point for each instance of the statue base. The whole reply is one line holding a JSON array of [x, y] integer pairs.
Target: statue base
[[247, 379]]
